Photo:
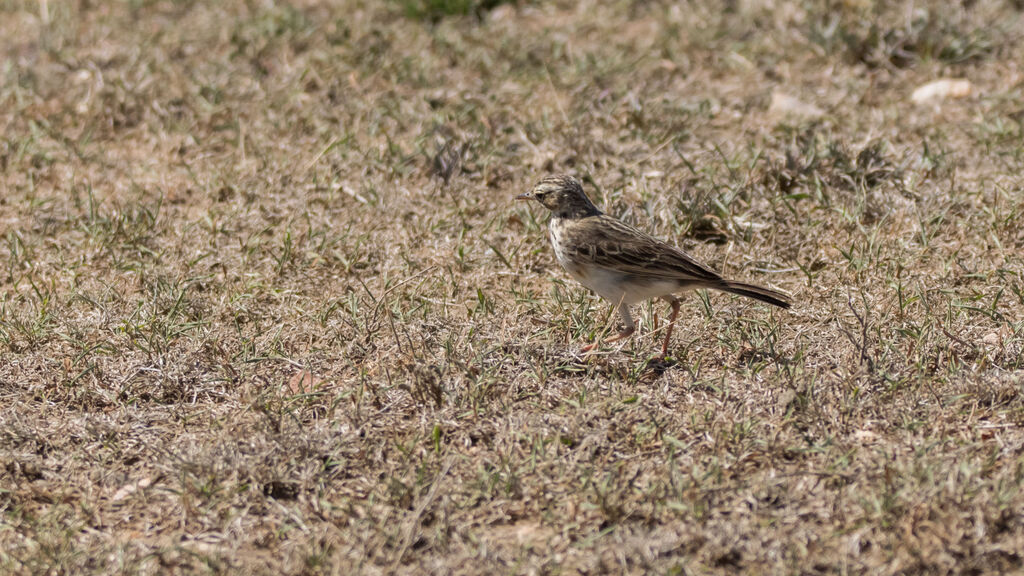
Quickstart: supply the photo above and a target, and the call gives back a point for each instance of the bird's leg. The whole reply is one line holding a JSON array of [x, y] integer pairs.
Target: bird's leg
[[674, 302], [627, 331]]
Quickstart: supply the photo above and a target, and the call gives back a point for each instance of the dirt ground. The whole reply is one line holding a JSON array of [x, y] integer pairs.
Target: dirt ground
[[267, 305]]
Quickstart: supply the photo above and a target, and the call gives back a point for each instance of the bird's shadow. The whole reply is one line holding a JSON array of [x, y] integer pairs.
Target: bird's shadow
[[658, 365]]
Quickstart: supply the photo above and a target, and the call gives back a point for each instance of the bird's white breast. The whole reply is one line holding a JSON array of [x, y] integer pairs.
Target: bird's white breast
[[557, 234]]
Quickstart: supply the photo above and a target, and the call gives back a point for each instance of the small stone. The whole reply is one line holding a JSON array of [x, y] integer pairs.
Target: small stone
[[944, 89], [785, 105]]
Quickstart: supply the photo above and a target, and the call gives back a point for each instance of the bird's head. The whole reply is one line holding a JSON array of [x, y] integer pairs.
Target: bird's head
[[561, 194]]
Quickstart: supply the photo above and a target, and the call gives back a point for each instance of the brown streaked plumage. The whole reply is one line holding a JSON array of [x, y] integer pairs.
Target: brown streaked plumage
[[622, 264]]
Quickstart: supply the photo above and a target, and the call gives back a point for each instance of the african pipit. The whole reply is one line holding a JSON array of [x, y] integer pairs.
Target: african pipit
[[622, 264]]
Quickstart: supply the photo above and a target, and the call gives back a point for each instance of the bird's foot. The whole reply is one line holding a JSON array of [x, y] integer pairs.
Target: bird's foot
[[621, 335], [597, 343], [663, 358]]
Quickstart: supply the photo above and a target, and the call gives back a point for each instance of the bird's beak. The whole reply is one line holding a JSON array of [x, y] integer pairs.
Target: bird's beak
[[524, 196]]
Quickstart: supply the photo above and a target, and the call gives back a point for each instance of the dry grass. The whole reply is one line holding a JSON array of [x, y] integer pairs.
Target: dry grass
[[201, 200]]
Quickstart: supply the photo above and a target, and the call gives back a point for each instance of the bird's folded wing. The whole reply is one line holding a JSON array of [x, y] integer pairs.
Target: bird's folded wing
[[613, 244]]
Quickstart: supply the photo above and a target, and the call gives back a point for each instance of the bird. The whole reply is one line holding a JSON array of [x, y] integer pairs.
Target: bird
[[622, 264]]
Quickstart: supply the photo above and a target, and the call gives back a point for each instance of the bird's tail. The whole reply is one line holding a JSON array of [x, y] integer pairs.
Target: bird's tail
[[773, 297]]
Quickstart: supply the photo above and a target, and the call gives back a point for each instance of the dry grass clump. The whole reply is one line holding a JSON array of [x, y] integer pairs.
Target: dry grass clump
[[266, 305]]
